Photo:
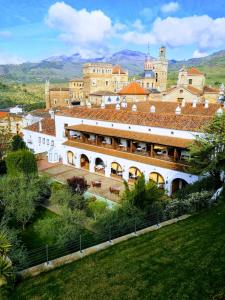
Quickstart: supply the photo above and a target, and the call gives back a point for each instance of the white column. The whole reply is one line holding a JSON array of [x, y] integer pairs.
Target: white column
[[108, 170], [168, 187], [77, 161], [125, 174], [92, 165]]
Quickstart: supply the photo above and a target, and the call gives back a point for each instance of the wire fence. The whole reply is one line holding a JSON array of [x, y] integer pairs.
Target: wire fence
[[49, 252]]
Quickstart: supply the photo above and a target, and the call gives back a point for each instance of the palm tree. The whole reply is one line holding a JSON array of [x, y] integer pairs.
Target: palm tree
[[4, 244], [6, 270]]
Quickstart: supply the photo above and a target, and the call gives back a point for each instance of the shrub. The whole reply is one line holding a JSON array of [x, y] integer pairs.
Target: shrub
[[77, 184], [204, 184], [192, 203], [21, 161], [18, 143], [96, 208]]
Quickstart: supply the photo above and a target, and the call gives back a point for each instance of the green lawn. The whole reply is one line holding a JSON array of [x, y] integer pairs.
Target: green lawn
[[181, 261]]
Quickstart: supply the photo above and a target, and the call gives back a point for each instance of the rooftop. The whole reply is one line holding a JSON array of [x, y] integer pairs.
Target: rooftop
[[194, 71], [103, 93], [133, 88], [191, 118], [48, 127], [137, 136], [117, 69]]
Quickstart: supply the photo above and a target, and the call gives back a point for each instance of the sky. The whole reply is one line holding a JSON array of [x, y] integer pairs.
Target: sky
[[33, 30]]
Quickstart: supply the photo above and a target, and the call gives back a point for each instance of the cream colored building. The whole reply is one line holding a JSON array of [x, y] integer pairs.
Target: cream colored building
[[190, 87], [155, 72]]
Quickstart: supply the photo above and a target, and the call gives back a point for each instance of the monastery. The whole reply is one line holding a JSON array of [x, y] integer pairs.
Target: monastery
[[107, 125]]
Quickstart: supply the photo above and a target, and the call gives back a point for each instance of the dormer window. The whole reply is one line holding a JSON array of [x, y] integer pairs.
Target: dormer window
[[190, 81], [181, 91]]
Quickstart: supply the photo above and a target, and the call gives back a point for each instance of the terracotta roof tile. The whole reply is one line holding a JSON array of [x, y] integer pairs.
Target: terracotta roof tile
[[128, 155], [133, 89], [194, 90], [191, 118], [137, 136], [194, 71], [118, 70], [48, 127], [209, 89], [4, 114]]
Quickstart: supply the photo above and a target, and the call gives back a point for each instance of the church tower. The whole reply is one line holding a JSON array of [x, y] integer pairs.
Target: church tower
[[161, 70], [148, 66], [47, 94]]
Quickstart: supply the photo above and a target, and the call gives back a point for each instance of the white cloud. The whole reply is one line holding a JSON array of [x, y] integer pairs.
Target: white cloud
[[6, 59], [138, 25], [5, 34], [170, 7], [199, 54], [202, 31], [85, 31]]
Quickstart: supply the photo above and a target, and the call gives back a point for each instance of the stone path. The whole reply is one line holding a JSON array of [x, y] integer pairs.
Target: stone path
[[62, 172]]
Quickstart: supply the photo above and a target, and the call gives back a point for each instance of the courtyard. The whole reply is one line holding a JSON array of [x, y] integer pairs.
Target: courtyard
[[61, 173]]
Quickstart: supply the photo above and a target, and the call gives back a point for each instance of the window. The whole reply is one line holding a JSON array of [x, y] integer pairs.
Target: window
[[172, 132], [106, 83], [52, 143], [55, 101], [39, 140], [47, 141], [156, 77], [181, 91], [149, 129], [43, 141], [190, 81], [93, 82]]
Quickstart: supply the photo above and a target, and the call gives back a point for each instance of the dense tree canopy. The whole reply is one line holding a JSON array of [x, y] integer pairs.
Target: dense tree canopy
[[207, 153], [18, 143]]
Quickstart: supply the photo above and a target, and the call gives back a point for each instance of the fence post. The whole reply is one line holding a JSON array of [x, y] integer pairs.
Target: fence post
[[110, 234], [80, 244], [135, 226], [47, 260]]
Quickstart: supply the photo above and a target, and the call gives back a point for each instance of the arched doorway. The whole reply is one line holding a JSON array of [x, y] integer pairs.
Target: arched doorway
[[158, 179], [84, 162], [99, 166], [178, 184], [70, 158], [116, 170], [134, 173]]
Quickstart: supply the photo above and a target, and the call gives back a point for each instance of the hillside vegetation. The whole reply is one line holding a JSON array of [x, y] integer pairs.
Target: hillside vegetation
[[178, 262]]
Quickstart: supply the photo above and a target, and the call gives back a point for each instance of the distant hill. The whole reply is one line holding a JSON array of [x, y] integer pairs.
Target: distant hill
[[62, 68]]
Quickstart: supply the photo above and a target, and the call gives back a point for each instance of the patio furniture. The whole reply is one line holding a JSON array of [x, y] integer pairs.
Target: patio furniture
[[99, 167], [114, 190], [96, 183], [119, 173]]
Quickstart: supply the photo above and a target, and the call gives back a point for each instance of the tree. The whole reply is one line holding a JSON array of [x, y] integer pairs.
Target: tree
[[207, 152], [143, 195], [5, 138], [19, 196], [18, 143], [21, 162], [64, 228]]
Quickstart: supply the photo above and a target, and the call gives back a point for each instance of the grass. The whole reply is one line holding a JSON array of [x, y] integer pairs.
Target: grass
[[30, 236], [182, 261]]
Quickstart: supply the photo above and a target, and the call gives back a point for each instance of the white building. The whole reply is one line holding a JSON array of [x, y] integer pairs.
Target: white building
[[122, 142]]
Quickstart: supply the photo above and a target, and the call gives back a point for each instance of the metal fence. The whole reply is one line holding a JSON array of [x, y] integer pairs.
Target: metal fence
[[50, 252]]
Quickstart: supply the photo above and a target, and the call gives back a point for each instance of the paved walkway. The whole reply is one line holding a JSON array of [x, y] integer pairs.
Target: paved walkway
[[62, 172]]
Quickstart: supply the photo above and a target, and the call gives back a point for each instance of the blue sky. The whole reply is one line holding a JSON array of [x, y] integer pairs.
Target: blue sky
[[33, 30]]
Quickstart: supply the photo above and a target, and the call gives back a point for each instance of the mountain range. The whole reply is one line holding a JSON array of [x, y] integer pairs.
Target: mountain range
[[62, 68]]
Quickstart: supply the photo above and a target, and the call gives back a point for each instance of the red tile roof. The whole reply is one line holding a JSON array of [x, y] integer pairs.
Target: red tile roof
[[4, 114], [118, 70], [133, 89], [194, 90], [191, 119], [194, 71], [48, 127], [137, 136], [209, 89]]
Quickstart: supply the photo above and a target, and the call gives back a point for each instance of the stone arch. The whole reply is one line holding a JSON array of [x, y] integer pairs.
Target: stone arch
[[99, 165], [70, 158], [116, 170], [158, 179], [134, 173], [178, 184], [84, 162]]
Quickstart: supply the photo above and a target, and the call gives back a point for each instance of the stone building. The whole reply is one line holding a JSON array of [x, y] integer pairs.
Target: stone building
[[191, 87], [155, 72]]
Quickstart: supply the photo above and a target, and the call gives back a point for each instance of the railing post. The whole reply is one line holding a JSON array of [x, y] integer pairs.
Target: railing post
[[135, 226], [47, 259], [80, 244], [110, 234]]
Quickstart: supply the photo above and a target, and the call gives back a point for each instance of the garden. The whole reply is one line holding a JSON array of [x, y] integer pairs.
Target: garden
[[31, 233]]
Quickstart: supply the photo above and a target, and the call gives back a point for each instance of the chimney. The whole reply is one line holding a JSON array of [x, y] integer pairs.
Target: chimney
[[117, 106], [52, 114], [183, 103], [134, 108], [194, 103], [152, 109], [40, 126], [206, 104], [89, 104], [103, 105], [178, 110]]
